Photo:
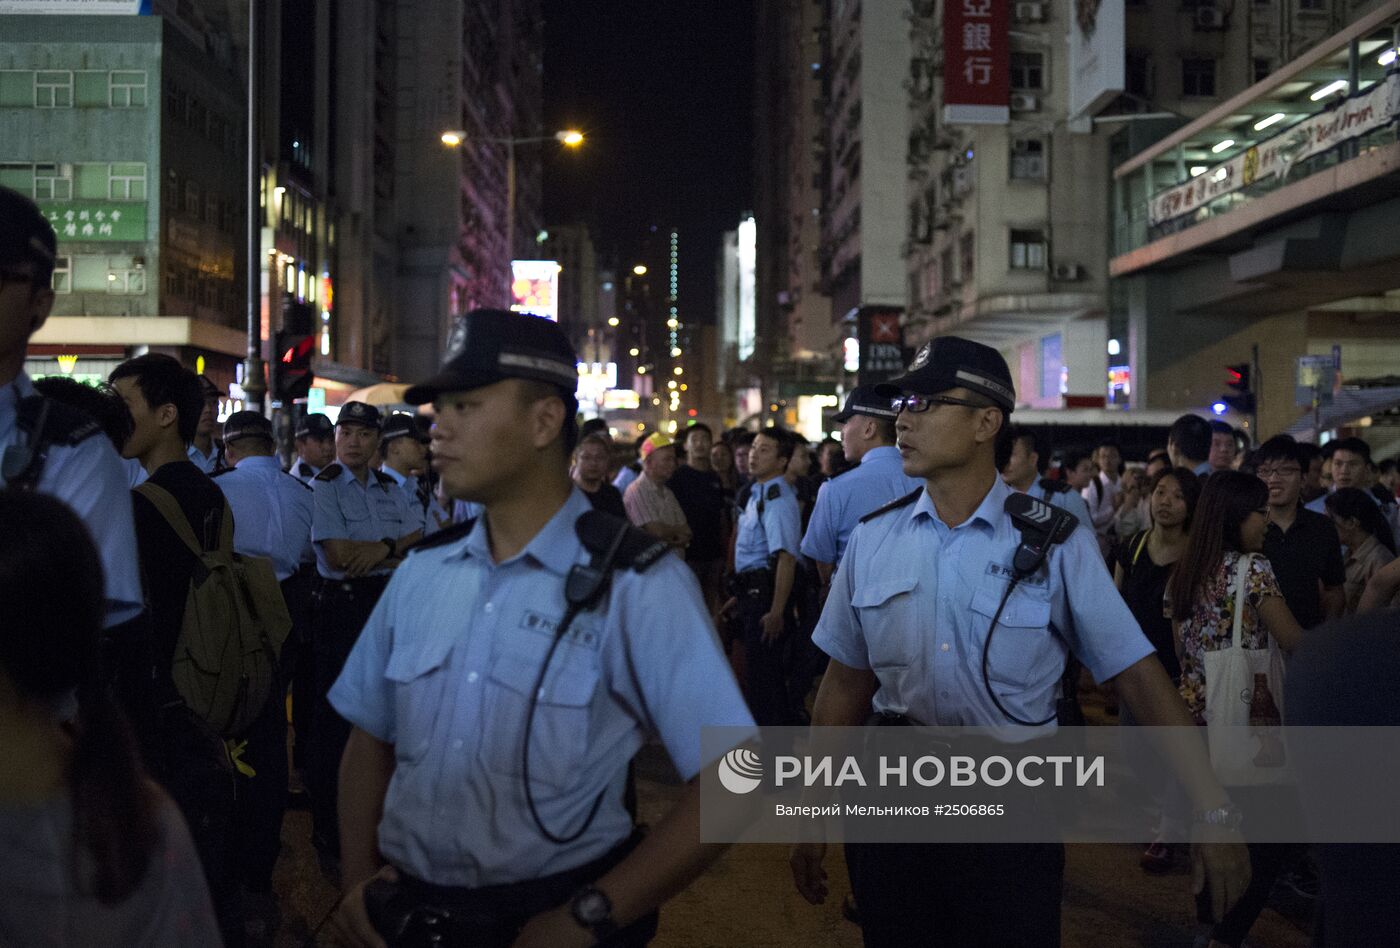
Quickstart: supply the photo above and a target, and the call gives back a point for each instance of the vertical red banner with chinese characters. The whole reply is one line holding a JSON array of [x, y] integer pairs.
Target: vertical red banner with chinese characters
[[976, 62]]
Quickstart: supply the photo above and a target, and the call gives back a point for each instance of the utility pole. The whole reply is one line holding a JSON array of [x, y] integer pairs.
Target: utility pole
[[253, 385]]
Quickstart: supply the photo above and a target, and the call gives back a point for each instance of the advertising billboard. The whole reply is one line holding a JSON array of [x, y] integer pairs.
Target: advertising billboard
[[1097, 55], [534, 287], [976, 62]]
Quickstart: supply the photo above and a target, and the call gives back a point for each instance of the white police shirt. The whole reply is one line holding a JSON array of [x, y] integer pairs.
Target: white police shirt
[[913, 600], [272, 512], [345, 509], [771, 521], [877, 480], [443, 670]]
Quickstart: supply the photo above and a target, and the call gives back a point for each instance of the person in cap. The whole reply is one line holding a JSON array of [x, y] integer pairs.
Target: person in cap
[[65, 456], [1025, 468], [315, 442], [766, 549], [204, 450], [875, 478], [272, 513], [437, 801], [362, 522], [906, 623], [649, 502], [404, 448]]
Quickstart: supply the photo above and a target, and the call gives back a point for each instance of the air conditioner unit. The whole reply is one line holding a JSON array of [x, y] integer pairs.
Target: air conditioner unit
[[1068, 271], [138, 263], [1209, 18], [1024, 102], [65, 170], [1030, 13]]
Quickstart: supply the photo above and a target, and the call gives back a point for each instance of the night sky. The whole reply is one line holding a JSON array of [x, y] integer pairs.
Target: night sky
[[663, 90]]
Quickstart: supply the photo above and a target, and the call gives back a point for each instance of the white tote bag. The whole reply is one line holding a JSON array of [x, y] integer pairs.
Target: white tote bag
[[1244, 705]]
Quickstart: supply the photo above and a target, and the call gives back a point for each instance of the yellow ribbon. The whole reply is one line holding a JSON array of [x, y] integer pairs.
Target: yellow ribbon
[[235, 755]]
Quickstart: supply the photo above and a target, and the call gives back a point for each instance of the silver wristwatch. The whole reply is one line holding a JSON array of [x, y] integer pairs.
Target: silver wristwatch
[[1227, 816]]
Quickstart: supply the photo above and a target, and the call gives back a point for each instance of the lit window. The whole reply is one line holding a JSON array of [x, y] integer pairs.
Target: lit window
[[1027, 250]]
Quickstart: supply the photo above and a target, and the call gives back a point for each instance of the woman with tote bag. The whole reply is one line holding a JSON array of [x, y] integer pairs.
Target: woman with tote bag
[[1230, 622]]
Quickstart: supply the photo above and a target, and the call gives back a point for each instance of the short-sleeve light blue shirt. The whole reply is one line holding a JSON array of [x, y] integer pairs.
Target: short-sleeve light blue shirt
[[345, 509], [914, 598], [1065, 500], [272, 512], [771, 521], [208, 463], [90, 478], [409, 485], [443, 669], [877, 480], [625, 477]]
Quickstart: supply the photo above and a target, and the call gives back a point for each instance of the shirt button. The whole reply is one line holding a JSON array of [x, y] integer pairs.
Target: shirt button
[[490, 607], [472, 676], [945, 646], [457, 744]]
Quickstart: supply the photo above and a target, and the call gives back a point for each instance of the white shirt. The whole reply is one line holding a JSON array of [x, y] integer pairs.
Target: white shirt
[[1100, 502]]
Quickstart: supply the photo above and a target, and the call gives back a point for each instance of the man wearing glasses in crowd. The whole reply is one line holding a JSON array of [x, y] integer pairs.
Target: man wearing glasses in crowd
[[1302, 545]]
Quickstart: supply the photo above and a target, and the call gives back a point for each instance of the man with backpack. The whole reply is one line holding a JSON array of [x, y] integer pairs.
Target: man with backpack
[[165, 402]]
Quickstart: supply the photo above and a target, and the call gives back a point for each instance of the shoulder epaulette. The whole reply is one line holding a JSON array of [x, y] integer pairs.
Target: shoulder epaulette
[[329, 473], [443, 537], [775, 491], [297, 479], [64, 425], [1054, 487], [638, 551], [904, 501], [385, 480], [221, 472]]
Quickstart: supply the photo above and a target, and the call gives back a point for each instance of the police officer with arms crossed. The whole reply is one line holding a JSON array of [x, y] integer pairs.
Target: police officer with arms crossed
[[405, 450], [315, 441], [437, 801], [765, 566], [361, 526], [867, 441], [905, 625]]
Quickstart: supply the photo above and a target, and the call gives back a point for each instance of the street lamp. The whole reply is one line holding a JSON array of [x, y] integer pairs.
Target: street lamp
[[569, 137], [640, 270]]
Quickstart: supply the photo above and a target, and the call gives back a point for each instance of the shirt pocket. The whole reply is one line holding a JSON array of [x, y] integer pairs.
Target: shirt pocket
[[419, 674], [560, 732], [1022, 650], [354, 508], [889, 620]]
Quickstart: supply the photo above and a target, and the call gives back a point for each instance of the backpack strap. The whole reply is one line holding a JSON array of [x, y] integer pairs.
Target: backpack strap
[[1137, 548], [226, 530], [169, 509], [904, 501]]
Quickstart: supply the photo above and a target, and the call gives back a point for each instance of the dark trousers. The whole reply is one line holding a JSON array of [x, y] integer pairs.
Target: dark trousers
[[765, 663], [340, 610], [297, 671], [992, 895], [262, 798]]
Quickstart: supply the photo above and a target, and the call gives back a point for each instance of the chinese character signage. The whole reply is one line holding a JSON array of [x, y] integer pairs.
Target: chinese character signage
[[95, 220], [534, 287], [976, 62], [881, 338]]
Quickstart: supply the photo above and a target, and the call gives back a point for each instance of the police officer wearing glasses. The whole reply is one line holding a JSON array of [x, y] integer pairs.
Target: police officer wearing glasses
[[907, 626], [512, 669]]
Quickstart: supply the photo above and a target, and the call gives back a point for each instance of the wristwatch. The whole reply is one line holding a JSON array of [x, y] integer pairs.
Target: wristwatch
[[1227, 816], [592, 909]]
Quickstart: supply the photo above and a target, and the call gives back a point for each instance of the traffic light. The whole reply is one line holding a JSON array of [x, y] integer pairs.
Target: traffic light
[[1241, 395], [293, 347]]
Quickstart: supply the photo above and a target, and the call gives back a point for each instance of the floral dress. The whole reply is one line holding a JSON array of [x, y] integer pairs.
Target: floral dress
[[1210, 626]]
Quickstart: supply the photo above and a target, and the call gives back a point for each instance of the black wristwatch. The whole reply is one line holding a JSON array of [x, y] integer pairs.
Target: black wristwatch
[[592, 909], [391, 543]]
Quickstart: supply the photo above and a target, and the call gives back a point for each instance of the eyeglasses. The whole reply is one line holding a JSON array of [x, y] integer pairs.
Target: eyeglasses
[[921, 403], [1287, 470]]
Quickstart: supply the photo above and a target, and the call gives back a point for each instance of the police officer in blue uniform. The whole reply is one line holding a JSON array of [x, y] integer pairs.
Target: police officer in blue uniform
[[361, 525], [315, 442], [908, 626], [876, 478], [272, 513], [766, 548], [204, 451], [508, 675], [404, 447], [1025, 471]]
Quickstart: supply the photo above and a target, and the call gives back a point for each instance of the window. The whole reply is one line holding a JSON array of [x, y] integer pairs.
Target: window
[[1027, 71], [967, 255], [16, 88], [1198, 77], [1052, 366], [127, 182], [51, 183], [124, 278], [1262, 68], [62, 275], [1312, 6], [1027, 159], [53, 89], [1137, 73], [950, 273], [1027, 250], [126, 89]]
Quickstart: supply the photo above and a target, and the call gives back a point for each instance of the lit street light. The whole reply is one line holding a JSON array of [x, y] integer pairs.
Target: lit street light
[[640, 270]]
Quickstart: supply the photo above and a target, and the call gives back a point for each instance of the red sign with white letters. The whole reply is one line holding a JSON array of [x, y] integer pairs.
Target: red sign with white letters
[[976, 62]]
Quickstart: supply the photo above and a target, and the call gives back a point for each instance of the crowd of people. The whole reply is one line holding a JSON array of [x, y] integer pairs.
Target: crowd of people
[[176, 586]]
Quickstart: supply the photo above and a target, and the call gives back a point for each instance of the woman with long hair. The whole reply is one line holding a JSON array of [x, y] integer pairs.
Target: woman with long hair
[[1145, 563], [1202, 597], [1365, 533], [95, 854], [722, 457]]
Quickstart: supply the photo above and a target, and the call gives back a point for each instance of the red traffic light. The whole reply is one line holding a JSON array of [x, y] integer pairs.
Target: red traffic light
[[692, 413], [300, 351]]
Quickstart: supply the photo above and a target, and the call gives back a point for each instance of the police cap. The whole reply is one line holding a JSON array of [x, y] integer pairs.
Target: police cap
[[401, 424], [246, 424], [865, 400], [315, 425], [952, 362], [358, 413], [26, 236], [491, 345]]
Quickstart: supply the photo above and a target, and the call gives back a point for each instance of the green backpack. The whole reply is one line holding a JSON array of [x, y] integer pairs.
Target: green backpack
[[235, 621]]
